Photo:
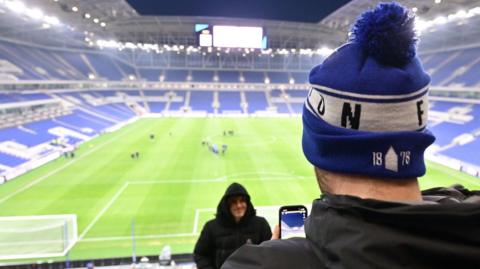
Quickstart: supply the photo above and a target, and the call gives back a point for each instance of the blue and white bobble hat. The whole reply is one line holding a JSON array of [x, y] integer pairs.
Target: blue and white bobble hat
[[366, 112]]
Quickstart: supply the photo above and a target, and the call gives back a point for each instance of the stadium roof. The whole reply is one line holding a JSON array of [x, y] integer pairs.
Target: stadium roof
[[309, 11], [82, 20]]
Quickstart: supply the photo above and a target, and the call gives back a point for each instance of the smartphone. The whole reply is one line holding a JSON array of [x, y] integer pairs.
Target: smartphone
[[292, 221]]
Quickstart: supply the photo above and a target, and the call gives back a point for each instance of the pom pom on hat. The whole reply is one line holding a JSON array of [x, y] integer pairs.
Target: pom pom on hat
[[387, 34]]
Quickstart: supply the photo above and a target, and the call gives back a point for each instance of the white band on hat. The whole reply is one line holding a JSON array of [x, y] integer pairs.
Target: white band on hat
[[369, 112]]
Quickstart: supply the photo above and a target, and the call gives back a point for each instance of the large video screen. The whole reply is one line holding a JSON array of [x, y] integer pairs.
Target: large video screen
[[226, 36]]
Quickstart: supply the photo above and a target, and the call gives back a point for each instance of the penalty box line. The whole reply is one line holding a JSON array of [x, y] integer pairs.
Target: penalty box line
[[125, 186], [147, 182]]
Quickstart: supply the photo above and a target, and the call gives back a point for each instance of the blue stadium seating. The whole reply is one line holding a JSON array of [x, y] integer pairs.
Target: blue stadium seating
[[132, 92], [443, 106], [229, 76], [9, 98], [104, 66], [446, 131], [127, 69], [202, 76], [282, 108], [257, 101], [297, 107], [276, 93], [462, 59], [119, 112], [26, 138], [150, 74], [470, 78], [176, 75], [229, 101], [467, 152], [80, 120], [9, 160], [278, 77], [76, 60], [155, 92], [17, 97], [156, 107], [108, 93], [201, 100], [297, 93], [175, 106], [254, 77], [300, 77], [432, 61], [8, 54]]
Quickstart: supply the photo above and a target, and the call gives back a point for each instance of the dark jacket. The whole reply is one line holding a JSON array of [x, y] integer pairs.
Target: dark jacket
[[221, 236], [349, 232]]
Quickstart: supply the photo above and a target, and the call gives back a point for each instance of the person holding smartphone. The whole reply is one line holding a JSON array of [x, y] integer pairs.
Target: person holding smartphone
[[235, 224], [365, 132]]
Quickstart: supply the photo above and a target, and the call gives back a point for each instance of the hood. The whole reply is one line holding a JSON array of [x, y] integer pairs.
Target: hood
[[223, 211], [442, 232]]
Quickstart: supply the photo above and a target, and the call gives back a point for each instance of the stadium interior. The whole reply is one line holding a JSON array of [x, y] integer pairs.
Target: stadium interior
[[75, 72]]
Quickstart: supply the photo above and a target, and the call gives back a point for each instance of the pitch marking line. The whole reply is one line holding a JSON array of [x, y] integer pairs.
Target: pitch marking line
[[159, 236], [104, 209], [40, 179], [152, 236], [197, 212]]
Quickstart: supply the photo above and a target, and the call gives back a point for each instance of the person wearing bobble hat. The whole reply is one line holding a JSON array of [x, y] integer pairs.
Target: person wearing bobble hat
[[364, 131]]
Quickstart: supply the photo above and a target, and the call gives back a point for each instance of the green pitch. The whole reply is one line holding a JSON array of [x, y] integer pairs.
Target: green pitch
[[173, 188]]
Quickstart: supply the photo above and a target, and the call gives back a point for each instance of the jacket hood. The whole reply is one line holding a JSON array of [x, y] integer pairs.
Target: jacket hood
[[442, 232], [223, 211]]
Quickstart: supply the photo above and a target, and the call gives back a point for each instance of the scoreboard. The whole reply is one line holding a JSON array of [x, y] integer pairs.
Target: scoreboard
[[229, 36]]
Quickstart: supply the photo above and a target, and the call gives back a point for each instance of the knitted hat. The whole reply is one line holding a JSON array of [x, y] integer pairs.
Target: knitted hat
[[366, 112]]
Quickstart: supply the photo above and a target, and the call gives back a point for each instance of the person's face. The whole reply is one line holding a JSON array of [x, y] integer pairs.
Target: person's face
[[238, 206]]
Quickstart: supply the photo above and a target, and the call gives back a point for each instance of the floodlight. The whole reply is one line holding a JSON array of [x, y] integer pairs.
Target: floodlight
[[440, 20], [51, 20], [130, 45], [324, 51], [15, 6], [35, 13]]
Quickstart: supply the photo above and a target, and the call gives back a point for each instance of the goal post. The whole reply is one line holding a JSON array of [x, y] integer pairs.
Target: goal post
[[25, 237]]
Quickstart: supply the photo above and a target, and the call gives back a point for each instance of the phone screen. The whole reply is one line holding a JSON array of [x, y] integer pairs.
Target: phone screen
[[292, 222]]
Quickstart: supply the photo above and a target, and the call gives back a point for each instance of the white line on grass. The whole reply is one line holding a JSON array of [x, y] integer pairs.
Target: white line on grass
[[152, 236], [40, 179], [104, 209], [195, 221], [283, 176], [220, 179], [198, 211]]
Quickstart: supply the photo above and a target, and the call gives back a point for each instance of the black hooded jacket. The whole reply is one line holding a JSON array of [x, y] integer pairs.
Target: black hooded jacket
[[349, 232], [221, 236]]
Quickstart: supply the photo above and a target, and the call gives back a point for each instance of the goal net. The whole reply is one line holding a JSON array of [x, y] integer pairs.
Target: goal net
[[37, 236]]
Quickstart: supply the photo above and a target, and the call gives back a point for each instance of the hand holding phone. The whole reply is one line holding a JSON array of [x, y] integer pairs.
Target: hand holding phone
[[292, 221]]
